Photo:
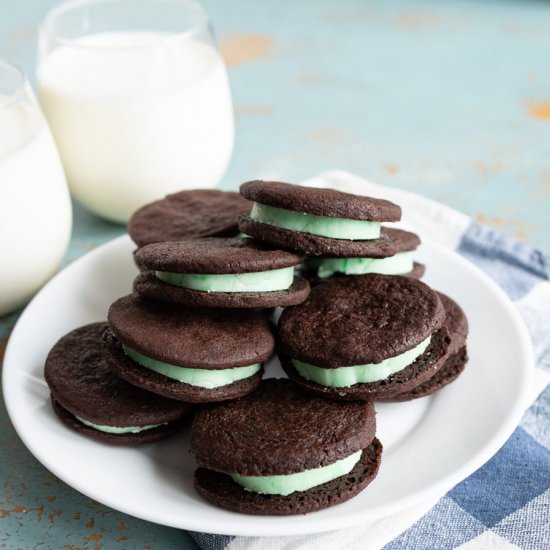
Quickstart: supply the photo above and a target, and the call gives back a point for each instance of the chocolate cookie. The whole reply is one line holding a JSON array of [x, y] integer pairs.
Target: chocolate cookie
[[364, 337], [457, 327], [387, 244], [417, 272], [279, 451], [400, 263], [196, 355], [449, 372], [320, 202], [220, 272], [456, 323], [188, 214], [319, 221], [90, 398]]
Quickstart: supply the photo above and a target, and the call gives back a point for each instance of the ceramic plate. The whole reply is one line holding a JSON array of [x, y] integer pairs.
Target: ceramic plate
[[429, 444]]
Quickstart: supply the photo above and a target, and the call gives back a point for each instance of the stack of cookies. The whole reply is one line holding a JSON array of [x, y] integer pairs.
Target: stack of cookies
[[357, 327]]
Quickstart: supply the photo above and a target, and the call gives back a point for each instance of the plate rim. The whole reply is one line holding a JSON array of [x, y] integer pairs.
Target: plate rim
[[439, 488]]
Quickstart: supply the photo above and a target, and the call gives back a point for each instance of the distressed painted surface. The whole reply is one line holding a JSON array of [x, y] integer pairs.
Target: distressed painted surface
[[449, 99]]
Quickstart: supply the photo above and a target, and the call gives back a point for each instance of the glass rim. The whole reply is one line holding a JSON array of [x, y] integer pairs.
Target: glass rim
[[18, 90], [44, 26]]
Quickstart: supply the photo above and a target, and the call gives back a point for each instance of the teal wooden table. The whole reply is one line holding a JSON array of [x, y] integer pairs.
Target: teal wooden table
[[448, 99]]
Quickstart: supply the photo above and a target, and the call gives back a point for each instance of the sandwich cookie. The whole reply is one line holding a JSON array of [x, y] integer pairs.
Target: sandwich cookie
[[280, 451], [91, 399], [364, 337], [319, 222], [188, 214], [318, 269], [195, 355], [457, 327], [216, 272]]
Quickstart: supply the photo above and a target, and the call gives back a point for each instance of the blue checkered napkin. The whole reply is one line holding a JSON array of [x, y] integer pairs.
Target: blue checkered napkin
[[506, 503]]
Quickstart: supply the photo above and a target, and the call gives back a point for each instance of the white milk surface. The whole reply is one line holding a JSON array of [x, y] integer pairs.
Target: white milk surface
[[35, 209], [136, 116]]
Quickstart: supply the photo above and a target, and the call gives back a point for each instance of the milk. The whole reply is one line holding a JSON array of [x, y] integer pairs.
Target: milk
[[136, 116], [35, 209]]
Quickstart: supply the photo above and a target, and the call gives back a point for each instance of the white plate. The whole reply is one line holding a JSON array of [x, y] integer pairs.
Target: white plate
[[429, 444]]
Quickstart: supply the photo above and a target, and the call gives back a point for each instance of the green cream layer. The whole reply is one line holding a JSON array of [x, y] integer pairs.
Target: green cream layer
[[117, 429], [202, 378], [324, 226], [259, 281], [301, 481], [344, 377], [393, 265]]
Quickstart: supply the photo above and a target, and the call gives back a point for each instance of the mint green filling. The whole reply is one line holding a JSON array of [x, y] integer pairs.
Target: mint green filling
[[393, 265], [117, 429], [324, 226], [301, 481], [203, 378], [344, 377], [259, 281]]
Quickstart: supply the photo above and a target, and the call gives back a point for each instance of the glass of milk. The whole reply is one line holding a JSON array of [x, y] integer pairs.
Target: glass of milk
[[35, 208], [138, 100]]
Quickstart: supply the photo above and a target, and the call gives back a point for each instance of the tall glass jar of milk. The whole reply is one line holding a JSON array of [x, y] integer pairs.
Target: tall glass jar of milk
[[35, 208], [138, 100]]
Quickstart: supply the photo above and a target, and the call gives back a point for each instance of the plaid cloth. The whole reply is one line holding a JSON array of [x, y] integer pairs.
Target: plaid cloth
[[506, 503]]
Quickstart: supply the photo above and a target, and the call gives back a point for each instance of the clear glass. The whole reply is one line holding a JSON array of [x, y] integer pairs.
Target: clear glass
[[35, 208], [138, 99]]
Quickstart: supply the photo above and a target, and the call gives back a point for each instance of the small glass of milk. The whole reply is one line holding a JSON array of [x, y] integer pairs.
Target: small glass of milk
[[35, 208], [138, 100]]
